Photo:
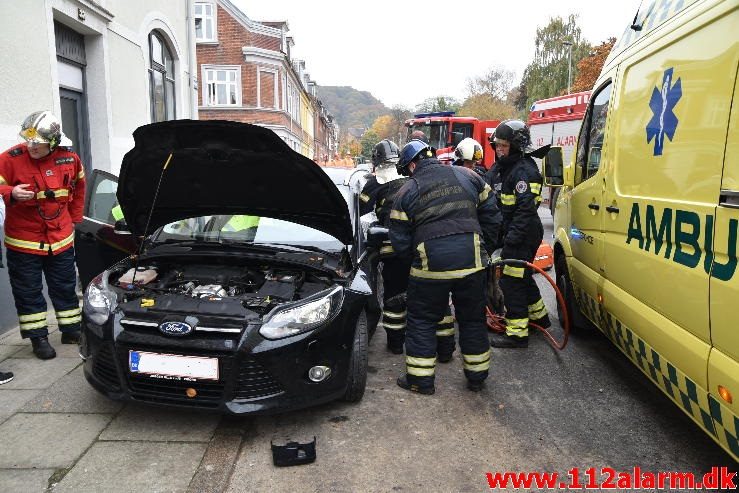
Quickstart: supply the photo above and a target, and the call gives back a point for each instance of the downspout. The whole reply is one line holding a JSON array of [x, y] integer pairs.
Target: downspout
[[192, 62]]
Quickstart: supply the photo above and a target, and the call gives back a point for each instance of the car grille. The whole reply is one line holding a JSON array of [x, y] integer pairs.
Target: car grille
[[104, 367], [255, 381], [143, 388]]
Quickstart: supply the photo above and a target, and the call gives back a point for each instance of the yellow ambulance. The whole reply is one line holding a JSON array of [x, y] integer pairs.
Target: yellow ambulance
[[646, 224]]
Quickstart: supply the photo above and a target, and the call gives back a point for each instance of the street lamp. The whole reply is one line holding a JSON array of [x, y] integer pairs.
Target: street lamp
[[568, 44]]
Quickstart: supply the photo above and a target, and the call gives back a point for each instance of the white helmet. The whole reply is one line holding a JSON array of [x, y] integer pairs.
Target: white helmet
[[468, 150]]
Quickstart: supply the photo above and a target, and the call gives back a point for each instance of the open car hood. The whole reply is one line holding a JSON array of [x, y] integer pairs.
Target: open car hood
[[223, 167]]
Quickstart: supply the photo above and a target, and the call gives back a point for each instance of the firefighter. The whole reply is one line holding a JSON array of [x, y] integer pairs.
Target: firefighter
[[43, 186], [469, 154], [444, 218], [517, 181], [378, 194]]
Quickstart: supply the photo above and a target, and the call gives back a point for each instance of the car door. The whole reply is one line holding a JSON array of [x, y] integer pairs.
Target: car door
[[586, 199], [723, 360], [96, 244]]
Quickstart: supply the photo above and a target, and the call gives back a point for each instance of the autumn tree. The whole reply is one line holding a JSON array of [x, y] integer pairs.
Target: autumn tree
[[588, 69], [546, 75], [487, 107], [384, 127]]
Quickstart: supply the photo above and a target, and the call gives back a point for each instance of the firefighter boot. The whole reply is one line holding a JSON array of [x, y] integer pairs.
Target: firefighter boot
[[475, 385], [404, 384], [42, 349], [71, 337], [505, 341]]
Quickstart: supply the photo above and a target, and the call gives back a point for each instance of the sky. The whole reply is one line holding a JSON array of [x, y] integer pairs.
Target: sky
[[405, 52]]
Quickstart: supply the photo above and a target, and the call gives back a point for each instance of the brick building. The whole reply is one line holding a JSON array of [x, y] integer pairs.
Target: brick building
[[247, 74]]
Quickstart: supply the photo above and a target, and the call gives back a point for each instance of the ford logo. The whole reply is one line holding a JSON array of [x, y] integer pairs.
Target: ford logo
[[175, 328]]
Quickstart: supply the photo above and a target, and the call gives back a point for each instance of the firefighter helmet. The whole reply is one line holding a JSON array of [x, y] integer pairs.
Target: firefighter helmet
[[468, 150], [385, 150], [515, 132], [409, 153], [42, 127]]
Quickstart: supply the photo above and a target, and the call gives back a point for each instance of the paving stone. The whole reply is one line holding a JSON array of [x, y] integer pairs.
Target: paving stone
[[8, 351], [55, 339], [24, 480], [147, 423], [12, 400], [37, 374], [47, 440], [72, 394], [134, 466]]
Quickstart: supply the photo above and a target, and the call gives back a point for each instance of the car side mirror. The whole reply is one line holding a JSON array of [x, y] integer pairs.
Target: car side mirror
[[376, 235], [121, 228], [553, 167]]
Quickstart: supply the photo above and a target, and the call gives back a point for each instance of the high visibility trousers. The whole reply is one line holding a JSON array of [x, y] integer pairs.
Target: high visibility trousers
[[523, 301], [25, 272], [428, 300], [395, 284]]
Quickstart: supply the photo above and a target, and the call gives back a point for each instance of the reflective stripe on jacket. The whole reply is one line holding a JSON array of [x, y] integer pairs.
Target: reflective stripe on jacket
[[45, 223]]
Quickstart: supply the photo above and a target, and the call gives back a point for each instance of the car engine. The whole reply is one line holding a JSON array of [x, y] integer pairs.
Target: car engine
[[258, 288]]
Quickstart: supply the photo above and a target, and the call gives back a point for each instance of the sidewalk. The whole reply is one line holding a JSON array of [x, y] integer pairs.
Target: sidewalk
[[58, 434]]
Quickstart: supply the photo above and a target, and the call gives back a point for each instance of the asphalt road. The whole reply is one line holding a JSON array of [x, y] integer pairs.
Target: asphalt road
[[541, 410]]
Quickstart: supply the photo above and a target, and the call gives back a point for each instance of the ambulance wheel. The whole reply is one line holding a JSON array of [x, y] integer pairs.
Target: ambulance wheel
[[577, 320], [357, 377]]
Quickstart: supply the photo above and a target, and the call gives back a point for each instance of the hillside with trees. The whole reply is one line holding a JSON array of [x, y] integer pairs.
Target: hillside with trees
[[350, 107]]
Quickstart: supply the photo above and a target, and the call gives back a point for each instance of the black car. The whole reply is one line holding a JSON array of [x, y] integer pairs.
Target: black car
[[251, 291]]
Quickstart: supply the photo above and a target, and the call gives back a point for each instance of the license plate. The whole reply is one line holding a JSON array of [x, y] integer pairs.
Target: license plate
[[172, 365]]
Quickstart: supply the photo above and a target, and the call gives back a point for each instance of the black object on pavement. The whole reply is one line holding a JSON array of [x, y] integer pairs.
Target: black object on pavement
[[293, 453]]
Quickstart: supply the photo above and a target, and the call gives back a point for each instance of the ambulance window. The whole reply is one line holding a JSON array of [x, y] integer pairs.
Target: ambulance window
[[590, 141]]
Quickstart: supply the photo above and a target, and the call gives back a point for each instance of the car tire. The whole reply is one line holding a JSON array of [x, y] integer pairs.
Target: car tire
[[357, 377], [578, 322]]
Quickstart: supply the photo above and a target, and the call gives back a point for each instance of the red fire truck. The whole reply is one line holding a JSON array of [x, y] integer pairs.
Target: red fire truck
[[444, 131], [556, 121]]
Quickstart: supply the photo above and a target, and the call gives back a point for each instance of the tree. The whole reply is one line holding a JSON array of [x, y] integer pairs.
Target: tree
[[369, 139], [399, 115], [497, 82], [384, 127], [588, 69], [546, 75], [487, 107], [438, 103]]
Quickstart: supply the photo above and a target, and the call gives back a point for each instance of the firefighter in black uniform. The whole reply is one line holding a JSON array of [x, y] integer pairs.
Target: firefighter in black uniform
[[517, 182], [444, 218], [378, 194]]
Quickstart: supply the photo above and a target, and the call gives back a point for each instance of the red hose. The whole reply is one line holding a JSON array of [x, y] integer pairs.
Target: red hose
[[496, 322]]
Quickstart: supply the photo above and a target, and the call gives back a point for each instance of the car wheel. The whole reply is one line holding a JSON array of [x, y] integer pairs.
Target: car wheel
[[578, 322], [357, 378]]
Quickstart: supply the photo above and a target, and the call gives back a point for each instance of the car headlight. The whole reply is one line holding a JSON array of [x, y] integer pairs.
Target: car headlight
[[99, 301], [304, 317]]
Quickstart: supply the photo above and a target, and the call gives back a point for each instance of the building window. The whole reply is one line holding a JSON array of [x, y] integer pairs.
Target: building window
[[161, 79], [205, 22], [222, 86]]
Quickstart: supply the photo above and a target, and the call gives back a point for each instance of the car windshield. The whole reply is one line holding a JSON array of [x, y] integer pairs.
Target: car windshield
[[246, 229], [436, 133]]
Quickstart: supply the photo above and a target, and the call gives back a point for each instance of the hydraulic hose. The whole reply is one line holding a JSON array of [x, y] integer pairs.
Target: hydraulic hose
[[496, 322]]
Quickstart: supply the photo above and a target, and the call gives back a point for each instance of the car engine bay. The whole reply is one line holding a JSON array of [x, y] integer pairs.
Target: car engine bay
[[196, 288]]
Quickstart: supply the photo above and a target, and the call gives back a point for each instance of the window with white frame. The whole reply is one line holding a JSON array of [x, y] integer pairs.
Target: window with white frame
[[221, 85], [161, 79], [205, 22]]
